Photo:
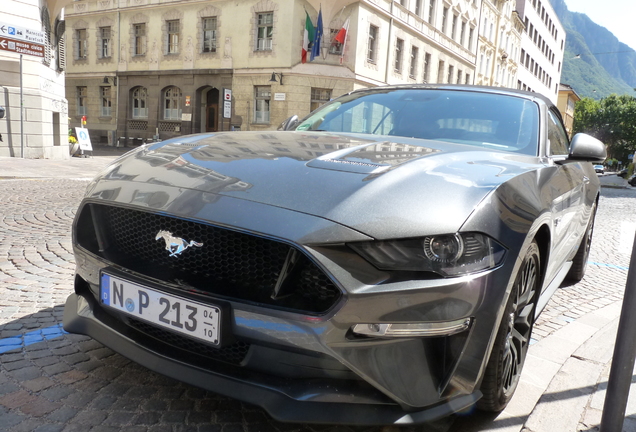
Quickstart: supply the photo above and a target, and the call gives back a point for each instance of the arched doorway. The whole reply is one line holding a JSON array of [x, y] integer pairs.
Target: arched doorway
[[211, 121]]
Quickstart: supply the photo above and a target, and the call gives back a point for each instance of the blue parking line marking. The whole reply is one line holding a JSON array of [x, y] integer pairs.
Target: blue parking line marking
[[608, 265], [30, 338]]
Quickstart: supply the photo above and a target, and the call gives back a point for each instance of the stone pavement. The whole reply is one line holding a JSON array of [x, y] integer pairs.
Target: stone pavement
[[51, 381]]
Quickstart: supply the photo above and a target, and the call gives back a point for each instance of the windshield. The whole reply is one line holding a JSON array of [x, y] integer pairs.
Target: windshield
[[486, 120]]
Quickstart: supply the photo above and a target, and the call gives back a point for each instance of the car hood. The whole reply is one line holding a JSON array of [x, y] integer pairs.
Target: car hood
[[382, 186]]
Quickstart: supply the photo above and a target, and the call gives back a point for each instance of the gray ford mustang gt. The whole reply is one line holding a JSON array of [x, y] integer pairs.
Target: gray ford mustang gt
[[380, 261]]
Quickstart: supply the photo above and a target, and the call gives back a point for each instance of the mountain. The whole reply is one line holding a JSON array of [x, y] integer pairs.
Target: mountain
[[596, 64]]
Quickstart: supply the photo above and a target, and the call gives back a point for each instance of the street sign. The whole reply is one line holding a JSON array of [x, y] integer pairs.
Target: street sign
[[27, 48], [83, 138], [21, 33], [227, 94], [227, 109]]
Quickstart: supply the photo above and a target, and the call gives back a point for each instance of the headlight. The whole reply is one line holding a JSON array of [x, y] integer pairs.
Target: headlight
[[447, 254]]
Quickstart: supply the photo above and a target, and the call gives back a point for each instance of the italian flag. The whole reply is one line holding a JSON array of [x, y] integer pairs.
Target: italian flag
[[308, 35], [341, 37]]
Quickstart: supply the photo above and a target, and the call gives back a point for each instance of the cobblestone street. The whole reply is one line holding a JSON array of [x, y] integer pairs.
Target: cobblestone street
[[51, 381]]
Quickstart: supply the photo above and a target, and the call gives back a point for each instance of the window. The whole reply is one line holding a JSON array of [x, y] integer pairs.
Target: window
[[459, 76], [427, 67], [82, 94], [104, 45], [139, 97], [440, 71], [413, 63], [372, 49], [471, 34], [462, 33], [431, 11], [335, 47], [319, 96], [467, 78], [454, 27], [418, 7], [209, 35], [105, 94], [451, 74], [444, 18], [399, 50], [262, 97], [172, 104], [140, 39], [264, 32], [559, 144], [82, 43], [173, 36]]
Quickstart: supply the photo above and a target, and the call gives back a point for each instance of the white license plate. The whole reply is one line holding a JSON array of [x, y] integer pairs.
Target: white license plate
[[177, 314]]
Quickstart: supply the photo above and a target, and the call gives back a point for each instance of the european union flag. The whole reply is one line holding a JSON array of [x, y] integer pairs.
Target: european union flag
[[315, 49]]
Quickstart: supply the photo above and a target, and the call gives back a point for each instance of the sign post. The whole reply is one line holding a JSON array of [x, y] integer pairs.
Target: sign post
[[227, 104], [83, 139]]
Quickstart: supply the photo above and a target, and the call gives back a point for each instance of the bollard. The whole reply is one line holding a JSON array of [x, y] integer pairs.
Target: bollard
[[620, 378]]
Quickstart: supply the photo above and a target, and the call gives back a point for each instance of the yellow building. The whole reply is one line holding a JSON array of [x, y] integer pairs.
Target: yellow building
[[144, 69], [566, 103]]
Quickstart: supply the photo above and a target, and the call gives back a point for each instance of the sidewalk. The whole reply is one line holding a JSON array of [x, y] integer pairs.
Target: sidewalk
[[75, 167], [564, 381]]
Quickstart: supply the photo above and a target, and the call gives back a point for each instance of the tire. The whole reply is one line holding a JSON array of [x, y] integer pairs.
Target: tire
[[513, 336], [579, 263]]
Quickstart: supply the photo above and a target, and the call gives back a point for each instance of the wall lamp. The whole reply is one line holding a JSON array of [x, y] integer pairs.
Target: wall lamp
[[108, 82], [273, 78]]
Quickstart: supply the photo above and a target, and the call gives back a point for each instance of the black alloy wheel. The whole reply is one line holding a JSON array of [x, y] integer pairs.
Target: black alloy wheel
[[513, 337]]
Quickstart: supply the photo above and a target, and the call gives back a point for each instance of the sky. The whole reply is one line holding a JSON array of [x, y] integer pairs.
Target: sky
[[615, 15]]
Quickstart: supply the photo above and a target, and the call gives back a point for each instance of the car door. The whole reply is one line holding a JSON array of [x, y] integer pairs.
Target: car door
[[567, 190]]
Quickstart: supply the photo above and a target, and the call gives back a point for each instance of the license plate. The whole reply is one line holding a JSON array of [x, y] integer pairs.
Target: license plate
[[197, 320]]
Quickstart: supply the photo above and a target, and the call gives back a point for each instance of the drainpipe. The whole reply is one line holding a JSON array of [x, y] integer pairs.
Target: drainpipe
[[388, 48], [476, 71], [116, 137]]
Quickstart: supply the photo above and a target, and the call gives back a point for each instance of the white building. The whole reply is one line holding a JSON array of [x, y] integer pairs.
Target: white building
[[32, 64], [500, 33], [542, 48]]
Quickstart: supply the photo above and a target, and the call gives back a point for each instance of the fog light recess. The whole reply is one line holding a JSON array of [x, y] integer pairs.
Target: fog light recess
[[446, 328]]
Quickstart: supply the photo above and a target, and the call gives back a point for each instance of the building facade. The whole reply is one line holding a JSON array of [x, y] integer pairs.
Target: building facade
[[142, 69], [32, 79], [542, 48], [500, 33], [567, 103]]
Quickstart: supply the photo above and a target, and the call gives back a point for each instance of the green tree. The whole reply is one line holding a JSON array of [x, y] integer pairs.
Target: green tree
[[612, 120]]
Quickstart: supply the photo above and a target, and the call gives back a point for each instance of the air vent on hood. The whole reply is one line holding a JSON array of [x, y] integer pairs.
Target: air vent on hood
[[371, 159]]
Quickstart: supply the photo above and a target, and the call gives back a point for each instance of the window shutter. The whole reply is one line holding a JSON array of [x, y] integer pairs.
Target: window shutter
[[61, 54]]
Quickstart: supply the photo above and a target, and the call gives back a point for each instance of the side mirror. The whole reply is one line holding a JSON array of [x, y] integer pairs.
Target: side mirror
[[289, 124], [2, 112], [587, 148]]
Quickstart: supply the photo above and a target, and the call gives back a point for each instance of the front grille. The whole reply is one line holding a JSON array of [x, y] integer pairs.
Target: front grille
[[230, 264], [233, 354]]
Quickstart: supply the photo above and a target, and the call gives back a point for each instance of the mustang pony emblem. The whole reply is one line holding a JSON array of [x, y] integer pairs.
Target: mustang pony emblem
[[175, 245]]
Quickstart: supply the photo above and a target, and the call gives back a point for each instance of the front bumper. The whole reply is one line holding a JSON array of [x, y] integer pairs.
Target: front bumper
[[319, 400]]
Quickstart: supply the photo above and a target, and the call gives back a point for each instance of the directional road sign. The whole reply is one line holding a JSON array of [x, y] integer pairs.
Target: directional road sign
[[27, 48], [21, 33]]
